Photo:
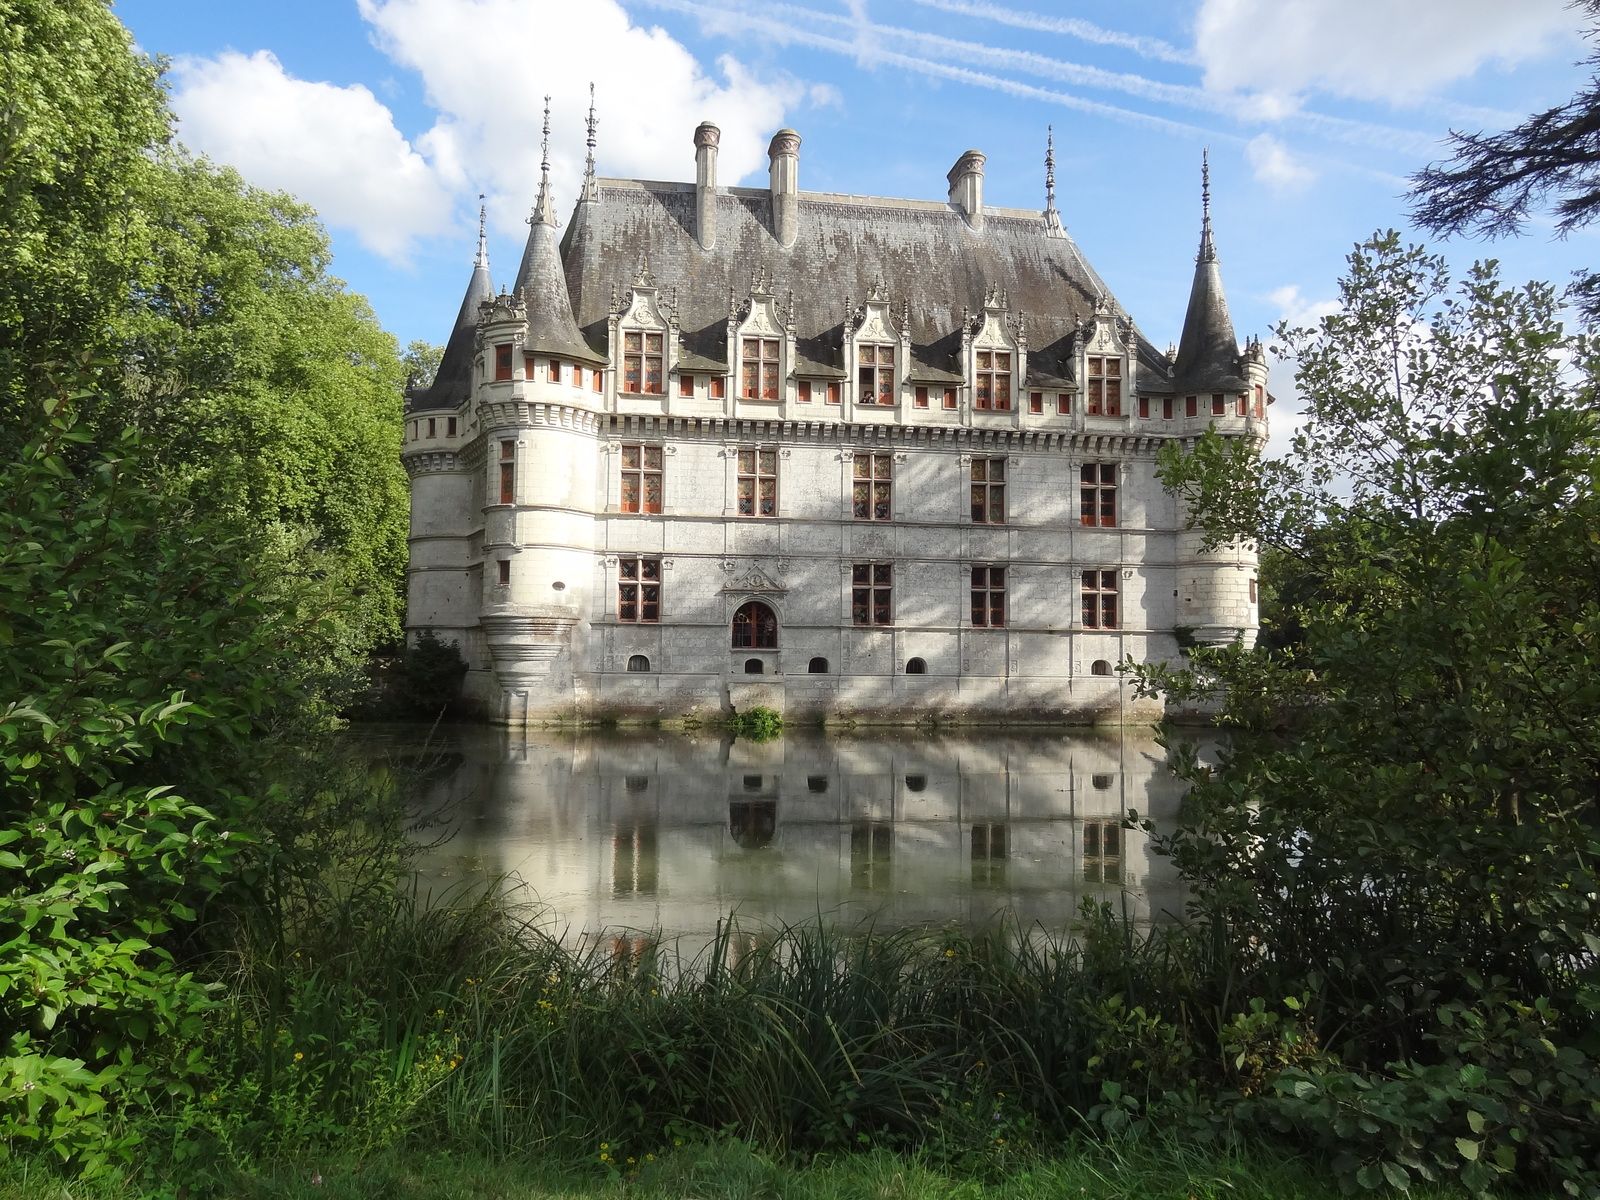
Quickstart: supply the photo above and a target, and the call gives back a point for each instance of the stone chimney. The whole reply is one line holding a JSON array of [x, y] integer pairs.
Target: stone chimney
[[966, 188], [706, 137], [785, 174]]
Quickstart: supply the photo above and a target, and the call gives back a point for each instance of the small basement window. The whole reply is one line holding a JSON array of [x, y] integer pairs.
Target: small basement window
[[818, 666], [638, 664], [754, 666], [916, 666], [1101, 667]]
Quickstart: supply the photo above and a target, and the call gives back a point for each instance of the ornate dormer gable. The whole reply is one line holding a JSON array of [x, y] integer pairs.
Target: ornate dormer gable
[[1105, 353], [994, 354], [761, 343], [877, 349], [643, 337]]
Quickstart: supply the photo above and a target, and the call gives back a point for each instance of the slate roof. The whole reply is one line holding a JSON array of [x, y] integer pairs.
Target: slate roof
[[1208, 353], [921, 252], [543, 287], [452, 384]]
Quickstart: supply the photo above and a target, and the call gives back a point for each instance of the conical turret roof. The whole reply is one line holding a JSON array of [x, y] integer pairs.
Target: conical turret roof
[[542, 281], [1208, 351], [452, 384]]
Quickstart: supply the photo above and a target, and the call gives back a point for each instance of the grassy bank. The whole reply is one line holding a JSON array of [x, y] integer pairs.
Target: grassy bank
[[1161, 1170]]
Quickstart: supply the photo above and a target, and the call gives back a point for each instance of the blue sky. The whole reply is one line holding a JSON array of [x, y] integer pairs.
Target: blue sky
[[390, 116]]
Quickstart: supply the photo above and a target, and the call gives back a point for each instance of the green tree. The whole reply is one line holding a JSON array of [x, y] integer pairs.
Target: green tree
[[421, 359], [79, 114], [1494, 182], [1405, 827]]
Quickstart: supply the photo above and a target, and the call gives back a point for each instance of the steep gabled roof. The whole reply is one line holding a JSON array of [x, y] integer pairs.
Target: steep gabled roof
[[920, 253]]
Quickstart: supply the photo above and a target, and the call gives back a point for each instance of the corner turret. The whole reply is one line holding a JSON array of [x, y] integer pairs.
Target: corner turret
[[1208, 350], [452, 383]]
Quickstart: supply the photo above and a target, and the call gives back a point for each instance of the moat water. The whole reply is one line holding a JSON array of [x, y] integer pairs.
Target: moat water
[[672, 833]]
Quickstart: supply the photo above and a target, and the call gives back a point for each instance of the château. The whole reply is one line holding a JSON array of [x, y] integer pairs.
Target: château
[[843, 456]]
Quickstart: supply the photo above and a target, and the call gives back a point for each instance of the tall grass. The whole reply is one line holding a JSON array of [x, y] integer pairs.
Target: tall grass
[[468, 1025]]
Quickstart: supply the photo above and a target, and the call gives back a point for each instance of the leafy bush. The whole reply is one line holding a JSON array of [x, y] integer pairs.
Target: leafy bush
[[757, 724]]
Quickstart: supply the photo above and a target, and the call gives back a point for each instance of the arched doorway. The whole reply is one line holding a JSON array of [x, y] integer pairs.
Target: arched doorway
[[755, 627]]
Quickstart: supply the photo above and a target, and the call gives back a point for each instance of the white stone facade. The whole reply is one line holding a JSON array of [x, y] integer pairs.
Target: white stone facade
[[586, 452]]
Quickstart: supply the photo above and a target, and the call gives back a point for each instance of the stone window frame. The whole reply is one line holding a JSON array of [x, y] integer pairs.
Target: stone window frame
[[1097, 494], [760, 376], [636, 575], [649, 463], [987, 595], [992, 378], [988, 494], [1101, 591], [503, 362], [750, 463], [871, 594], [508, 470], [1103, 385], [872, 475], [1103, 851], [877, 361], [644, 347]]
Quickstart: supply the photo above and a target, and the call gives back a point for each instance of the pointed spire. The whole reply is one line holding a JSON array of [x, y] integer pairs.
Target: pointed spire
[[452, 383], [1208, 250], [1208, 350], [591, 189], [544, 209], [483, 239], [1052, 218]]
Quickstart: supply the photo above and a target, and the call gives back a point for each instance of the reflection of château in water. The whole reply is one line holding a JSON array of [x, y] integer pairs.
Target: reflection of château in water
[[673, 833]]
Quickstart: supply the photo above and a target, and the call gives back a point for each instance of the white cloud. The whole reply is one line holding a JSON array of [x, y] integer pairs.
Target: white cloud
[[336, 148], [1399, 53], [486, 66], [1274, 166]]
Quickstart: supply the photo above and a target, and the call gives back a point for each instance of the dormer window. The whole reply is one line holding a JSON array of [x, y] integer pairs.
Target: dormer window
[[1105, 386], [874, 374], [642, 363], [758, 379], [993, 380]]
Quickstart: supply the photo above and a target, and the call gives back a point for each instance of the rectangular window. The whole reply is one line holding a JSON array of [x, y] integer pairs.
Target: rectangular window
[[871, 496], [802, 392], [989, 491], [504, 568], [950, 398], [833, 392], [685, 385], [1166, 408], [555, 370], [719, 387], [638, 589], [871, 591], [1102, 851], [758, 483], [1063, 403], [989, 597], [1191, 406], [1261, 402], [502, 362], [450, 427], [758, 377], [1219, 404], [1036, 402], [596, 382], [920, 397], [432, 426], [1100, 600], [1144, 408], [641, 363], [1105, 386], [1243, 405], [993, 380], [641, 479], [1253, 591], [1097, 494], [527, 367], [508, 472], [413, 431], [874, 375]]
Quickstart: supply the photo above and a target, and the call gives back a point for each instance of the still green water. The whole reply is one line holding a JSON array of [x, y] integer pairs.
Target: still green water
[[672, 833]]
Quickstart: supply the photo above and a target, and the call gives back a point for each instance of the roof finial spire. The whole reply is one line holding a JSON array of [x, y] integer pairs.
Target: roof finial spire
[[591, 190], [483, 240], [1052, 218], [1208, 250], [544, 212]]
